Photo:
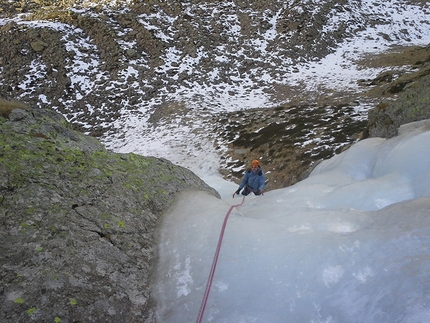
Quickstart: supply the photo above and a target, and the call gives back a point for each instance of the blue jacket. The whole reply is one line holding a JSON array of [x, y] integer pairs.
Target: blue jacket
[[254, 180]]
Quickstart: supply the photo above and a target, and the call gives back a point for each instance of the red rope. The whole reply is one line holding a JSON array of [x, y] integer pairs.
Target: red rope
[[214, 263]]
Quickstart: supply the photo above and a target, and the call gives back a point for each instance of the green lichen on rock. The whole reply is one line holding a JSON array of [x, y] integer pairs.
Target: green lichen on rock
[[77, 221]]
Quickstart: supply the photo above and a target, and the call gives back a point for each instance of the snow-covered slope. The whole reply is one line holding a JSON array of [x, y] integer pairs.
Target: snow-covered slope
[[154, 77]]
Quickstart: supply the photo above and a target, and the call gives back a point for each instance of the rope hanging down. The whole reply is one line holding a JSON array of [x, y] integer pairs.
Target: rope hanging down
[[214, 263]]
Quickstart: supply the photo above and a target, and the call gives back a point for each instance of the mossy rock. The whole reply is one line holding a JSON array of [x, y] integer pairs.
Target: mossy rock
[[77, 222]]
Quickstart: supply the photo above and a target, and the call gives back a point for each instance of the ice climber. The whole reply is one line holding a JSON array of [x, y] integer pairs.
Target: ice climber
[[253, 180]]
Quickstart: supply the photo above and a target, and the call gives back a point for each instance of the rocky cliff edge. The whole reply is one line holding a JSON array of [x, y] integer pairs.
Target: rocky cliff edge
[[77, 222]]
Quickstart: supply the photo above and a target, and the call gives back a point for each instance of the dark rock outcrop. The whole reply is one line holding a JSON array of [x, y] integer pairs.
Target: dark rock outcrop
[[77, 222], [412, 104]]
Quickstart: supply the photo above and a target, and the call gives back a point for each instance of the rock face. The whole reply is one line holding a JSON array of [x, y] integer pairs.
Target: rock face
[[77, 222], [412, 104]]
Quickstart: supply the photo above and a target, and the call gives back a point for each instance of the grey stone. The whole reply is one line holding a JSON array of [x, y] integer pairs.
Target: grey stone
[[77, 223]]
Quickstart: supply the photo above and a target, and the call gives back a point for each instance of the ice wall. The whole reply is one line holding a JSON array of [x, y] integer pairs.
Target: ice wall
[[349, 244]]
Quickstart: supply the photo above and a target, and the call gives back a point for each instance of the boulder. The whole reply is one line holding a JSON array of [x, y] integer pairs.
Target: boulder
[[77, 222], [412, 104]]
